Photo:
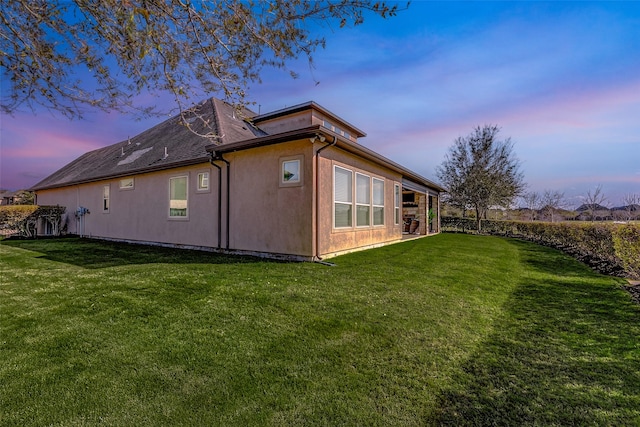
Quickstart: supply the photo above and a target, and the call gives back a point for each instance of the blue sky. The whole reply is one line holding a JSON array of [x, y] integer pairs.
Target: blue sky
[[561, 79]]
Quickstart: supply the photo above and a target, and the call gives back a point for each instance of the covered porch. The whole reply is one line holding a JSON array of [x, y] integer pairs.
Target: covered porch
[[420, 210]]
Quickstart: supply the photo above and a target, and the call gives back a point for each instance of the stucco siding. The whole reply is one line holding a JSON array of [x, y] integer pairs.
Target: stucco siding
[[67, 197], [333, 240], [142, 212], [290, 122], [270, 187], [266, 216]]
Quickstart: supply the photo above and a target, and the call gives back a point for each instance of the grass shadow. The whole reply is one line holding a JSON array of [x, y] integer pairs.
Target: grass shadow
[[537, 367], [95, 254]]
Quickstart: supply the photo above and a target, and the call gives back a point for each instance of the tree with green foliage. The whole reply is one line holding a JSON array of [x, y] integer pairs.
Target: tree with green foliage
[[480, 171], [69, 55], [25, 197]]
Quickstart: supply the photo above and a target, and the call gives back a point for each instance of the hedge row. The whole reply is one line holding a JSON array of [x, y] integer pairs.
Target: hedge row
[[11, 216], [610, 248], [22, 220]]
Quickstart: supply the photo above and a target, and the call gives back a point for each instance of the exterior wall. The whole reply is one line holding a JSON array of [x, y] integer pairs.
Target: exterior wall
[[287, 123], [266, 216], [304, 119], [66, 197], [333, 241], [142, 213]]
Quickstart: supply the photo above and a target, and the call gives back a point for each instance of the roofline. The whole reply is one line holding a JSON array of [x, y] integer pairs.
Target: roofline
[[341, 143], [311, 105], [277, 138], [377, 158], [182, 163]]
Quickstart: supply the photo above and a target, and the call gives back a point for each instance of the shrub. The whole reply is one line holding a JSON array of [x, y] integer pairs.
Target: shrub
[[626, 241], [23, 219], [12, 216], [457, 224]]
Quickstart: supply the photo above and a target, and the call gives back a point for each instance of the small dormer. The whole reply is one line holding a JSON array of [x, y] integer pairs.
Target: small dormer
[[304, 115]]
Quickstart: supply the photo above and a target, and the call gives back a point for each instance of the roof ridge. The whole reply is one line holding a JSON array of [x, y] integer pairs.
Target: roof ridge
[[216, 119]]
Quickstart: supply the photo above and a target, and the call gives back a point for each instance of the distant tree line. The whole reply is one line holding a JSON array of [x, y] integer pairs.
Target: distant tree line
[[552, 206], [483, 180]]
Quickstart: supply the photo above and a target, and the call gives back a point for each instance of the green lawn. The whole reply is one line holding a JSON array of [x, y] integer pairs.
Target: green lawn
[[447, 330]]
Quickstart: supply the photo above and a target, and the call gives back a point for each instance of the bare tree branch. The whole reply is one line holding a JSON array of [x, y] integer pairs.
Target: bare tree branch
[[72, 55]]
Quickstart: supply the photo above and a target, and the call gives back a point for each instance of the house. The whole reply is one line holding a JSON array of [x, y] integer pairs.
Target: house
[[293, 183], [20, 197], [594, 211], [7, 197]]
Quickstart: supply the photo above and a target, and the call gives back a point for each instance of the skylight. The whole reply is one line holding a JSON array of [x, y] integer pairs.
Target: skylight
[[134, 156]]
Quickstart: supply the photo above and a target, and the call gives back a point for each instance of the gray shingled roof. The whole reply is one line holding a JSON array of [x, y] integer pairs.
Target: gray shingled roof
[[146, 152]]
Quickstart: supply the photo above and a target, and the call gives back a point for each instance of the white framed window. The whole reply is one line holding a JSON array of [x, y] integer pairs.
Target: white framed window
[[127, 184], [291, 171], [178, 202], [328, 125], [396, 204], [378, 201], [203, 181], [105, 198], [336, 129], [363, 200], [343, 197]]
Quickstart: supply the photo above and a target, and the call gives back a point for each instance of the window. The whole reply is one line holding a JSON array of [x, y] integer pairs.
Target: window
[[291, 171], [336, 129], [369, 199], [178, 197], [328, 125], [203, 181], [378, 201], [343, 197], [126, 184], [363, 200], [105, 198], [396, 204]]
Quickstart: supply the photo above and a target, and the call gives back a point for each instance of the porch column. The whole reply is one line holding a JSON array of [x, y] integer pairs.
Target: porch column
[[423, 206]]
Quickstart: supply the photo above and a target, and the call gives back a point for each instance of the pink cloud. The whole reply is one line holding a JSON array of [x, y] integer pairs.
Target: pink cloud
[[34, 146]]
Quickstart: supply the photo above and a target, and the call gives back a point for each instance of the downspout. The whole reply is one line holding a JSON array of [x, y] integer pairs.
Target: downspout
[[219, 201], [439, 224], [228, 197], [79, 230], [217, 156], [317, 191]]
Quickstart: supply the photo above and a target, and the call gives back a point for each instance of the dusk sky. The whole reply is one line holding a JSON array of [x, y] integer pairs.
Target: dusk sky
[[561, 79]]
